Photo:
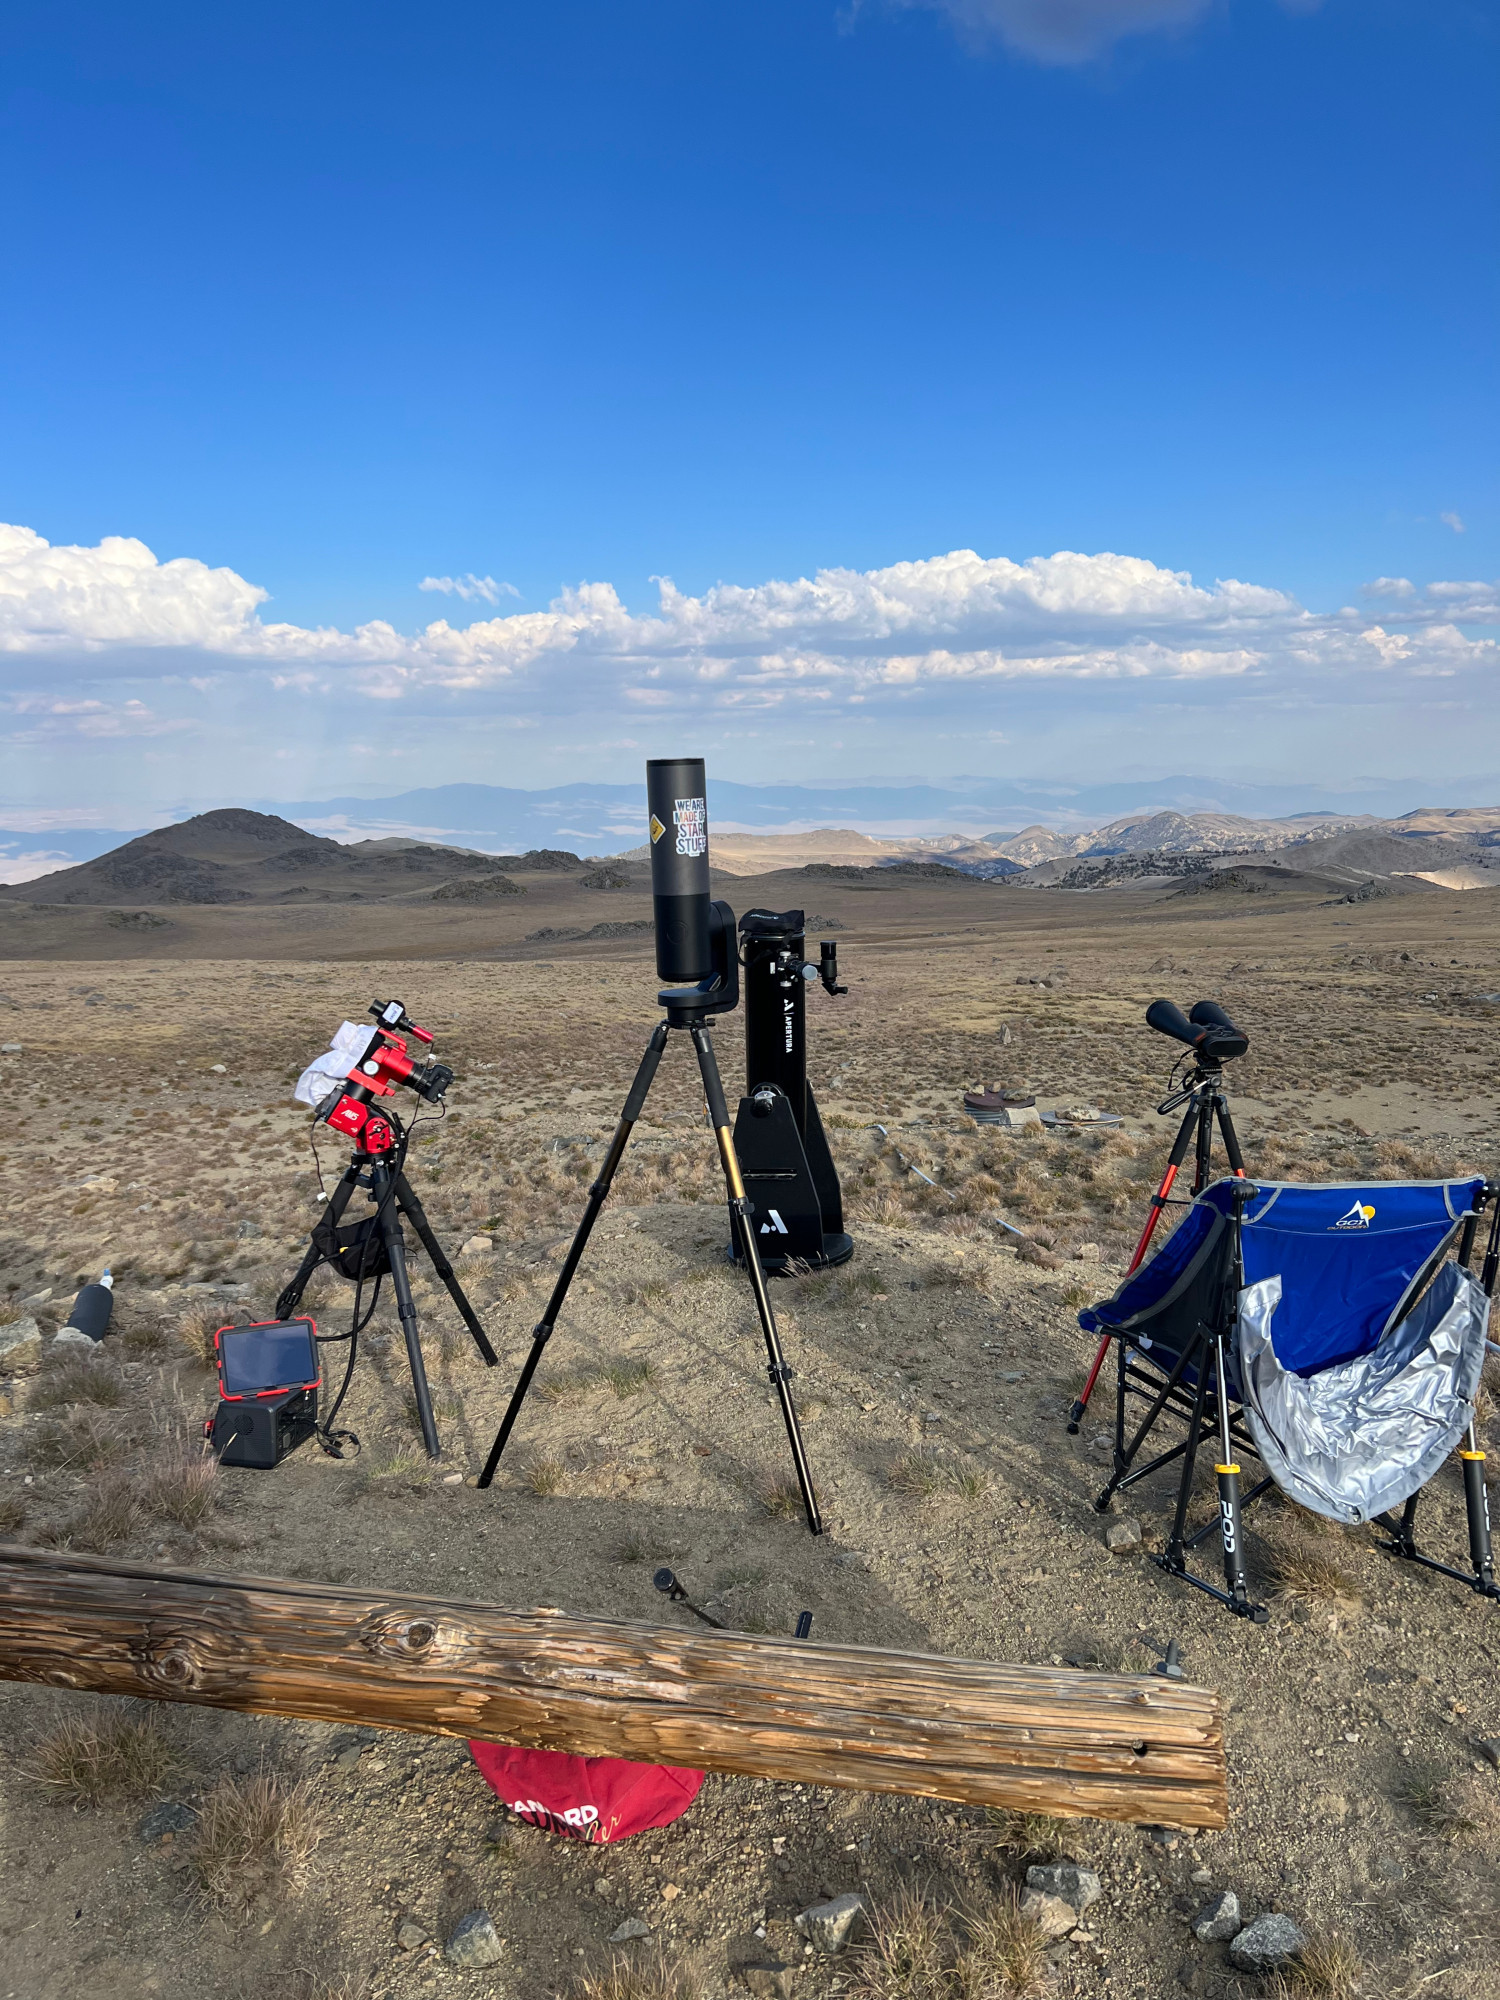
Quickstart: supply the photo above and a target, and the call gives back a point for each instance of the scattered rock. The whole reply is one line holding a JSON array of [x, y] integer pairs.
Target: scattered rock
[[248, 1229], [827, 1925], [410, 1934], [1120, 1536], [12, 1049], [629, 1931], [349, 1756], [1088, 1253], [670, 1892], [72, 1336], [1053, 1917], [1218, 1919], [170, 1816], [1489, 1749], [475, 1941], [1266, 1944], [477, 1246], [20, 1345], [769, 1980], [218, 1069], [1077, 1886]]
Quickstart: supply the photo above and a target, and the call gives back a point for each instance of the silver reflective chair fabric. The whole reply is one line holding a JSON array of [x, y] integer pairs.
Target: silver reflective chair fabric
[[1362, 1436]]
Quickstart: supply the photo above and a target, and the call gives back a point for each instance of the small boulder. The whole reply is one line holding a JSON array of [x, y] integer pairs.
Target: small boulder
[[72, 1336], [629, 1931], [1122, 1536], [1267, 1944], [827, 1925], [475, 1941], [1079, 1886], [20, 1346], [1219, 1919], [477, 1246], [1053, 1917]]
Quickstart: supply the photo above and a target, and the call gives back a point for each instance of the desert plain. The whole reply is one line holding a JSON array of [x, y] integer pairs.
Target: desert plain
[[149, 1055]]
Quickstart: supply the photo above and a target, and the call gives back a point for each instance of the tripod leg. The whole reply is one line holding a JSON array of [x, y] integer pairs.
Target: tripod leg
[[1476, 1503], [338, 1201], [1231, 1137], [410, 1207], [739, 1210], [1158, 1203], [395, 1250], [598, 1194]]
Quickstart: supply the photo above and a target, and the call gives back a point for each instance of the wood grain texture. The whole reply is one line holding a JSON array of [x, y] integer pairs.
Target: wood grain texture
[[1127, 1747]]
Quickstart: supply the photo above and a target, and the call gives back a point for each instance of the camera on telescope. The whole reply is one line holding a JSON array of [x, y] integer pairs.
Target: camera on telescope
[[1207, 1030], [364, 1064]]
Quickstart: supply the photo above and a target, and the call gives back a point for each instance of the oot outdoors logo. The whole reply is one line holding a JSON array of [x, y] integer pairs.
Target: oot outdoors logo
[[1359, 1217]]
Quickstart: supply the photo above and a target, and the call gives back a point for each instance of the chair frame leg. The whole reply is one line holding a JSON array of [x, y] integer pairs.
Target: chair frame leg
[[1480, 1576]]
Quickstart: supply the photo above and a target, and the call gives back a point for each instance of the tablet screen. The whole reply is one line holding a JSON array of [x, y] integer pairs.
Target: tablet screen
[[253, 1359]]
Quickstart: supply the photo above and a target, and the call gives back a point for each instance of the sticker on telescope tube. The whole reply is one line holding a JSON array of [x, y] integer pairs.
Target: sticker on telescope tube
[[690, 817], [657, 829]]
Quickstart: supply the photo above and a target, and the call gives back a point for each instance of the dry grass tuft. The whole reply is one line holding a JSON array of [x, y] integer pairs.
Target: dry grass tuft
[[1028, 1833], [146, 1342], [908, 1955], [82, 1439], [921, 1474], [652, 1976], [12, 1513], [255, 1836], [1301, 1575], [627, 1378], [71, 1375], [780, 1497], [632, 1547], [10, 1312], [181, 1484], [1428, 1796], [1328, 1967], [103, 1751], [109, 1515], [1005, 1954], [195, 1333], [542, 1475]]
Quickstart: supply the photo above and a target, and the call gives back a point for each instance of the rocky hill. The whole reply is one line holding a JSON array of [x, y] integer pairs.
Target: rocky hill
[[234, 856]]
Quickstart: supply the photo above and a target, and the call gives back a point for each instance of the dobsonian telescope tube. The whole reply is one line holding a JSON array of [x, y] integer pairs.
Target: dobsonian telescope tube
[[677, 809]]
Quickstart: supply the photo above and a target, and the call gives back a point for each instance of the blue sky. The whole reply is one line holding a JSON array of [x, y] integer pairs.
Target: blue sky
[[596, 294]]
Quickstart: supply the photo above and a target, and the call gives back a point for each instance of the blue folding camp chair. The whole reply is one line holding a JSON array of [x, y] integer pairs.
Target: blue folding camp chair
[[1334, 1332]]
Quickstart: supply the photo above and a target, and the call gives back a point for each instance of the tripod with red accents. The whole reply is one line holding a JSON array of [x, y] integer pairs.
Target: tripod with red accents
[[1214, 1040]]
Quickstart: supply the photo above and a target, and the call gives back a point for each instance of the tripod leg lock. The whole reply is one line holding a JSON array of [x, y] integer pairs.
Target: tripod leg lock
[[778, 1371]]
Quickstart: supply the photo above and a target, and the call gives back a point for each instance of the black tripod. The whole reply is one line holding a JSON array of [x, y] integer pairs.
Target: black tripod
[[687, 1008], [374, 1246]]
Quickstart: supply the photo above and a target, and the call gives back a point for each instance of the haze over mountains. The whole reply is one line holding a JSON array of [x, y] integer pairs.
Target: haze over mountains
[[999, 812]]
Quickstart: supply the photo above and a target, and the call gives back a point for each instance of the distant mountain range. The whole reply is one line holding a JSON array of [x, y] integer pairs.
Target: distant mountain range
[[976, 824]]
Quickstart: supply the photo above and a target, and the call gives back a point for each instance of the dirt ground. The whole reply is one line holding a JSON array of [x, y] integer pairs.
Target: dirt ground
[[934, 1374]]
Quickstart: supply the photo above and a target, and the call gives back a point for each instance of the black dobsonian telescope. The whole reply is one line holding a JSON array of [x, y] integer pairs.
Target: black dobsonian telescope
[[778, 1134]]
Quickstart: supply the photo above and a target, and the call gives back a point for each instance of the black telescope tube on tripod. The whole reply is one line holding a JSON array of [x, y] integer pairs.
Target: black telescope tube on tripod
[[677, 823]]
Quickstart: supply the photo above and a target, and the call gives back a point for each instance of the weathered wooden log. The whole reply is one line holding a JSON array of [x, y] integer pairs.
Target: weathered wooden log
[[1128, 1747]]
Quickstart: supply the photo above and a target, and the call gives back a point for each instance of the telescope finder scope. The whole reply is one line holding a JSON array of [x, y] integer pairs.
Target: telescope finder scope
[[677, 816]]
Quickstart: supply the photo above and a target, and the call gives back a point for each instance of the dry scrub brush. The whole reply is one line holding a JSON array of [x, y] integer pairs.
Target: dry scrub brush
[[919, 1949], [651, 1976], [255, 1836], [103, 1751]]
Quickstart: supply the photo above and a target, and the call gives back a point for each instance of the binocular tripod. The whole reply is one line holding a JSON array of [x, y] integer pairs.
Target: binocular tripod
[[688, 1009], [1207, 1105], [374, 1247]]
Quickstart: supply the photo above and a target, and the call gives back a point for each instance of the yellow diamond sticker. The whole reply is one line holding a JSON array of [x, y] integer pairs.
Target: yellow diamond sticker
[[657, 829]]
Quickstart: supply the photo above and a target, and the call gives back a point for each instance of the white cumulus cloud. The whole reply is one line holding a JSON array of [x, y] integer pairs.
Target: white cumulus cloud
[[1064, 31], [1453, 521], [934, 631]]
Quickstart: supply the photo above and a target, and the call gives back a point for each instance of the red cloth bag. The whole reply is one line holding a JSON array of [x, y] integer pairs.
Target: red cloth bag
[[595, 1799]]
